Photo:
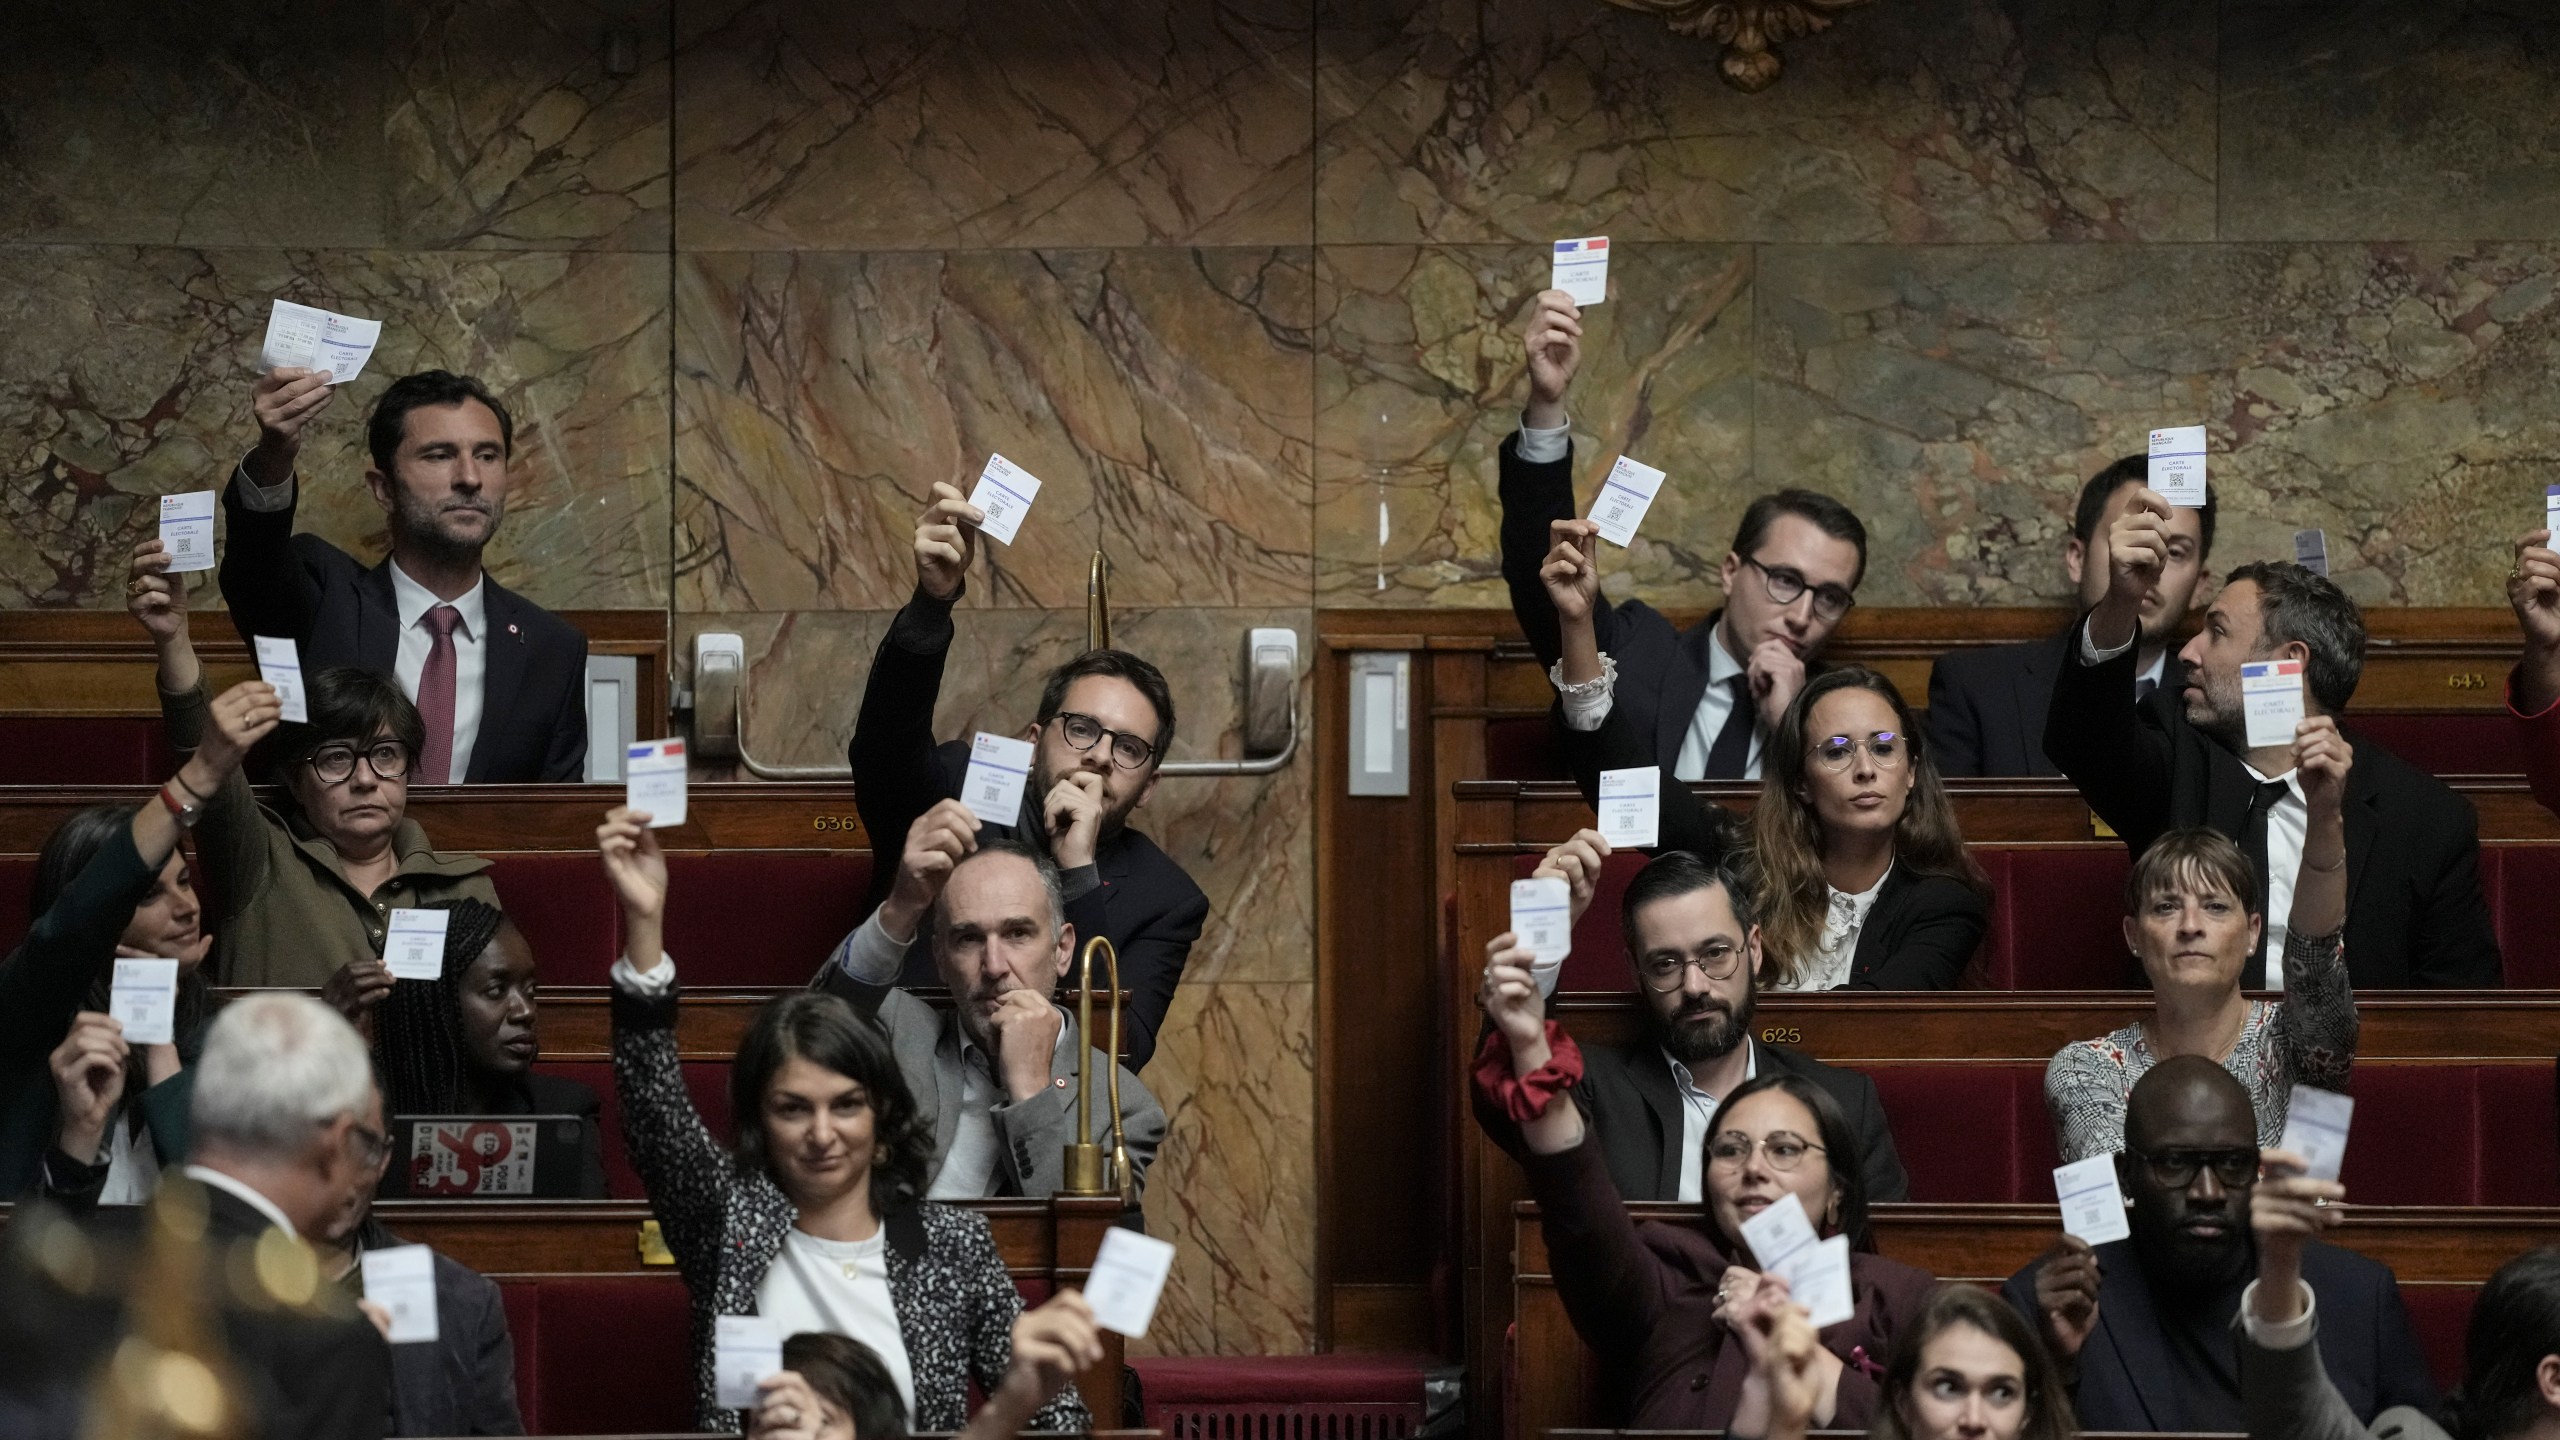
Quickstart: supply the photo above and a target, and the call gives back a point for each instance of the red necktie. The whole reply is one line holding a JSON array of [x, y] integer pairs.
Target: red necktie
[[435, 697]]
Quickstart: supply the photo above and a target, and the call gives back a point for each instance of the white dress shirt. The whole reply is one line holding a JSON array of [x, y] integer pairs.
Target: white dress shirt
[[1697, 1107], [840, 1287], [264, 1206], [1842, 921]]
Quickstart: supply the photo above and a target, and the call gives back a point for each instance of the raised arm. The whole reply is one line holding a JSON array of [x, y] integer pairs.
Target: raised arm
[[896, 776], [1536, 465], [2316, 1026], [2094, 732], [230, 833], [268, 590]]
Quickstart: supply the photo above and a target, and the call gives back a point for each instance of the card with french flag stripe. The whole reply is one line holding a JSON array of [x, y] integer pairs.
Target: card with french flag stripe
[[1582, 269]]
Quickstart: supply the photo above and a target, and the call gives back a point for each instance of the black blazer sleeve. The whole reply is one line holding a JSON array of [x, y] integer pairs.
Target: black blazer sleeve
[[896, 774], [1151, 961], [2452, 943], [1920, 936], [1687, 822], [1955, 730], [2116, 752], [271, 579], [1533, 497], [43, 983]]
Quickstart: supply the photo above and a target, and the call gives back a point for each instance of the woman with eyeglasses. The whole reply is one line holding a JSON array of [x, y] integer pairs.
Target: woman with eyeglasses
[[309, 885], [1663, 1301], [2190, 918]]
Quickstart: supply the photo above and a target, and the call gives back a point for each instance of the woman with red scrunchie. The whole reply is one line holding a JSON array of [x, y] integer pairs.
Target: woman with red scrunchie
[[1662, 1304]]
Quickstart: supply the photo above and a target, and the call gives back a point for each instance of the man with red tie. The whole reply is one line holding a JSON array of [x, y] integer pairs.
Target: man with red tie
[[500, 681]]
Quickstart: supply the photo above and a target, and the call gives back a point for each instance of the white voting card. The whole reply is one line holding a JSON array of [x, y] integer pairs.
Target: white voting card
[[653, 781], [1127, 1279], [2315, 1128], [414, 950], [145, 1001], [998, 769], [746, 1351], [2177, 465], [1005, 492], [1582, 270], [402, 1280], [2092, 1203], [308, 339], [1778, 1231], [1542, 919], [280, 665], [1624, 497], [2271, 694], [1816, 1270], [2551, 511], [2311, 550], [1631, 807], [186, 531]]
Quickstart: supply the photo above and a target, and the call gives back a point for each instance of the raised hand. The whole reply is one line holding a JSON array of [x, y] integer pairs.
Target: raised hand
[[2324, 758], [1052, 1345], [2067, 1295], [1509, 996], [946, 541], [154, 596], [1571, 571], [1577, 863], [786, 1409], [88, 1080], [2286, 1209], [239, 718], [1554, 339], [357, 987], [2137, 553], [634, 863], [936, 844], [285, 400], [2533, 588]]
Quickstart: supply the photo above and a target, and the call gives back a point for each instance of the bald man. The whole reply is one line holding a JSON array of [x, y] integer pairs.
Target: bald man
[[2143, 1326]]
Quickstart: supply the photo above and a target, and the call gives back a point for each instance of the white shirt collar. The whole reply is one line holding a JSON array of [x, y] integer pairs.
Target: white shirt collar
[[2292, 781], [1721, 665], [416, 600], [261, 1203], [1685, 1080]]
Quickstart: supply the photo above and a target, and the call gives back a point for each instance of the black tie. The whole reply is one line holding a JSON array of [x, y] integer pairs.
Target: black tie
[[2253, 839], [2143, 688], [1731, 754]]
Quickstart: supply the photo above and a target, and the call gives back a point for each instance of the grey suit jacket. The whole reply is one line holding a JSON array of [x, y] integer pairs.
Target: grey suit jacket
[[2287, 1395], [1032, 1135]]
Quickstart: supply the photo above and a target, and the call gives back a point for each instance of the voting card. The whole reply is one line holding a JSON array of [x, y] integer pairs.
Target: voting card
[[402, 1280], [1127, 1279], [653, 774], [415, 947], [1631, 807], [186, 531], [998, 769], [2315, 1128], [1542, 919], [2092, 1203], [1582, 271], [1004, 494], [308, 339], [1777, 1232], [280, 665], [2551, 512], [145, 1001], [1817, 1278], [2311, 550], [746, 1351], [2271, 694], [2177, 465], [1624, 497]]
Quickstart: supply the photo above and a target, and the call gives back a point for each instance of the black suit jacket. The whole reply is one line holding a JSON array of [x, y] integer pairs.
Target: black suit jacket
[[1145, 903], [465, 1382], [1662, 670], [1987, 706], [2364, 1338], [2415, 915], [533, 700], [1638, 1115]]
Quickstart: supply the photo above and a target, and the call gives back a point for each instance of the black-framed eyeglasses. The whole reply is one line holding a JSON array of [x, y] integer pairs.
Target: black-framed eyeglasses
[[387, 759], [1887, 749], [1785, 1148], [1786, 584], [1084, 732], [2177, 1169], [1717, 961]]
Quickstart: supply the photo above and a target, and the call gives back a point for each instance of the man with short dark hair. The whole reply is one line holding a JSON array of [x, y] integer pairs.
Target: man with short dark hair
[[2143, 1326], [1105, 722], [1694, 942], [500, 681], [1987, 706], [1706, 697], [2415, 913]]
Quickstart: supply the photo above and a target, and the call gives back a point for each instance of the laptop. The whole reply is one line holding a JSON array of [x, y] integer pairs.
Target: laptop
[[478, 1157]]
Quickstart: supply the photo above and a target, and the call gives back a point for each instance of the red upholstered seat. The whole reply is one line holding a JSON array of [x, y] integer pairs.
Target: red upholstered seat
[[2057, 919], [2441, 1314], [83, 750], [609, 1354], [1970, 1132], [567, 911], [2479, 742], [1279, 1379], [1523, 748], [2521, 881], [708, 1080], [761, 918]]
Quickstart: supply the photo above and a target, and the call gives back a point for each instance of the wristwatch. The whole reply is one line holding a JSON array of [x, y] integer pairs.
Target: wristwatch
[[185, 812]]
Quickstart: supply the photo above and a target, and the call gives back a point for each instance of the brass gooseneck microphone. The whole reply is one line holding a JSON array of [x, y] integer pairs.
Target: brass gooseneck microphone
[[1088, 1170]]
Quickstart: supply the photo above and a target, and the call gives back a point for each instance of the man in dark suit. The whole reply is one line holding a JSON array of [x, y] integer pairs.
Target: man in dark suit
[[1104, 724], [1987, 706], [1693, 940], [2415, 915], [1706, 697], [2144, 1326], [284, 1090], [501, 681]]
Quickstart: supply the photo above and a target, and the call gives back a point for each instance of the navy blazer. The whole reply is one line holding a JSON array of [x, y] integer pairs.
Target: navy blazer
[[2364, 1338], [533, 687]]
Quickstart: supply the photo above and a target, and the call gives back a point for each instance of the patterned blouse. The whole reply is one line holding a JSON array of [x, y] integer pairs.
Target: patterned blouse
[[2307, 1038]]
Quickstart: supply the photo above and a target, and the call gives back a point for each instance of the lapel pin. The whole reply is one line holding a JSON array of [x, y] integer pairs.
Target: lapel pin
[[511, 630]]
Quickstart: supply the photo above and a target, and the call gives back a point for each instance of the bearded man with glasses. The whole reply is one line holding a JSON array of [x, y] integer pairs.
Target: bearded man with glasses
[[1104, 725], [2145, 1327]]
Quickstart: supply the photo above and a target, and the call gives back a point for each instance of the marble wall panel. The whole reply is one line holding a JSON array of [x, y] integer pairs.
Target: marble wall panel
[[1983, 120], [1421, 375], [2393, 395], [1162, 396], [2373, 120], [125, 372], [932, 124]]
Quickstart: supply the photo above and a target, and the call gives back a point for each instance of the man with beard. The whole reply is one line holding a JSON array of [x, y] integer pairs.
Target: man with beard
[[2144, 1326], [500, 681], [1987, 706], [1695, 944], [2415, 914], [1104, 724]]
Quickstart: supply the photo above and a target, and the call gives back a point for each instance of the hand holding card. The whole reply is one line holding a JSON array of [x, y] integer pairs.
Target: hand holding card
[[999, 768], [1127, 1279], [1542, 920], [402, 1280], [280, 665]]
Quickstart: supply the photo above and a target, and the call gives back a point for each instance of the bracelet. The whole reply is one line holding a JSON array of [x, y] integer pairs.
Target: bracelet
[[2327, 869], [179, 779]]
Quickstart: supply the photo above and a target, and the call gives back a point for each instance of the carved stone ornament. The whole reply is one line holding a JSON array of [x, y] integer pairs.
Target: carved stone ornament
[[1749, 30]]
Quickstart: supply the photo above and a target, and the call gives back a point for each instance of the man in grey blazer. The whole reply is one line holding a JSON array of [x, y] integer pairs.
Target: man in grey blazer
[[997, 1070]]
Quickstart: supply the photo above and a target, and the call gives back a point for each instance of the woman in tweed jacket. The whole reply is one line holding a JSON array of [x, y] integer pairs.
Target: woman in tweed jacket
[[848, 1167]]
